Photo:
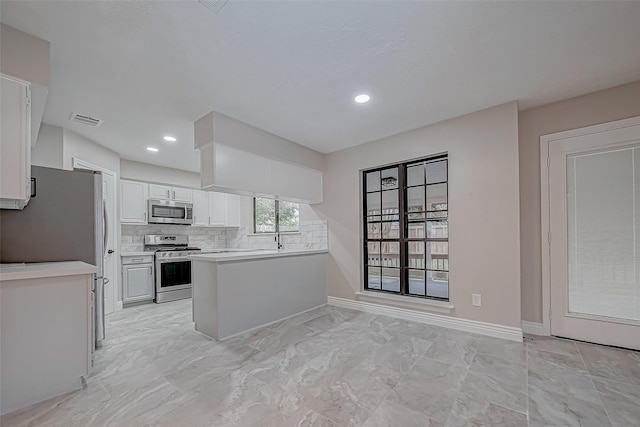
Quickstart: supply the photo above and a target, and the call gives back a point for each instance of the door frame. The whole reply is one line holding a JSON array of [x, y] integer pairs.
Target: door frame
[[545, 142], [82, 164]]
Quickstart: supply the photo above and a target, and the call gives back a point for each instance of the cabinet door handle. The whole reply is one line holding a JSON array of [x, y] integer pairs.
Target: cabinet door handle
[[150, 271], [174, 194], [168, 194], [145, 217], [209, 220]]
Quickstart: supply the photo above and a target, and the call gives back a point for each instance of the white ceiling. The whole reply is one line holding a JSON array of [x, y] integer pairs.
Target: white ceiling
[[293, 68]]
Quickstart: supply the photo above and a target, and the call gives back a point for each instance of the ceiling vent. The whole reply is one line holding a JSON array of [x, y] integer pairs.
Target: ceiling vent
[[214, 5], [85, 120]]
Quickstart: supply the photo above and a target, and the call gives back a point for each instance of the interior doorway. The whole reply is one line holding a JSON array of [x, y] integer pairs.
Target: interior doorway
[[591, 224], [109, 185]]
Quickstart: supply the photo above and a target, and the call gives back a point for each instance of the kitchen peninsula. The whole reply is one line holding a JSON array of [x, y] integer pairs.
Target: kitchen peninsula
[[234, 292]]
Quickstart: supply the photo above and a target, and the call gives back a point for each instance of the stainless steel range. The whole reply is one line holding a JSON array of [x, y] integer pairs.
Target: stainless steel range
[[173, 269]]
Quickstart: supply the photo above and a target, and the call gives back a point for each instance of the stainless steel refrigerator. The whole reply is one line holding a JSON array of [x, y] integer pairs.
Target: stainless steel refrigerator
[[65, 221]]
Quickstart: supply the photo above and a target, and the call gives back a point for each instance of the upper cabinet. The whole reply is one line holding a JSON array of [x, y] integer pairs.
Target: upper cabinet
[[27, 58], [200, 207], [15, 143], [216, 209], [164, 192], [133, 202], [241, 159], [260, 176], [210, 209]]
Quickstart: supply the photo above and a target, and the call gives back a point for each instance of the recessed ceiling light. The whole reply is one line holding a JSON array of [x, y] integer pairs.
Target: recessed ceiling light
[[170, 138], [362, 98], [154, 149]]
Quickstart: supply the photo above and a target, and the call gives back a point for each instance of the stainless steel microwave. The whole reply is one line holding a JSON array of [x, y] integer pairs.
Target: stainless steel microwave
[[170, 212]]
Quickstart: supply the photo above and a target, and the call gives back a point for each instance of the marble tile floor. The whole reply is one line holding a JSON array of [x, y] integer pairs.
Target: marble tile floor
[[335, 367]]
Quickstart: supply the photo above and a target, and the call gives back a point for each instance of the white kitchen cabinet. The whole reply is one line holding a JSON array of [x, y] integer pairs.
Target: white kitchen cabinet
[[233, 210], [200, 207], [15, 143], [133, 202], [216, 209], [182, 194], [137, 279], [159, 192], [261, 176], [164, 192]]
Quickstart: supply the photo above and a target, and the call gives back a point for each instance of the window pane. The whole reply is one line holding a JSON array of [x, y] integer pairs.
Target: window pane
[[390, 230], [415, 201], [289, 215], [374, 278], [438, 229], [373, 181], [390, 202], [390, 178], [416, 230], [437, 197], [415, 252], [390, 254], [416, 282], [437, 215], [391, 279], [415, 175], [437, 172], [373, 204], [373, 253], [437, 254], [373, 230], [265, 215], [438, 284]]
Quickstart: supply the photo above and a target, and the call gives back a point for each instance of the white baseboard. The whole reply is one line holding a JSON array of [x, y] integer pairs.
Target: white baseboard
[[532, 328], [264, 325], [466, 325]]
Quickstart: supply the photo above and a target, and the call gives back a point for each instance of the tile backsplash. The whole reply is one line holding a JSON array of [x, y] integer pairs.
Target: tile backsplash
[[312, 235]]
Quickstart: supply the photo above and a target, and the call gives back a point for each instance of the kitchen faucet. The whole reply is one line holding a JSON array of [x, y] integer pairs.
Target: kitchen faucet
[[280, 245]]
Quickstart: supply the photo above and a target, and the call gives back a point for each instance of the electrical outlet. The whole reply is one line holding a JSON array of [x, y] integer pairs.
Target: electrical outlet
[[476, 299]]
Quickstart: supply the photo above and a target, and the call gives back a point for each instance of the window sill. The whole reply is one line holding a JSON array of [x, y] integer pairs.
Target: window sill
[[283, 233], [406, 302]]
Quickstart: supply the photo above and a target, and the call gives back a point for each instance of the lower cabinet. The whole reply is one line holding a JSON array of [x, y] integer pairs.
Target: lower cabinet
[[137, 279]]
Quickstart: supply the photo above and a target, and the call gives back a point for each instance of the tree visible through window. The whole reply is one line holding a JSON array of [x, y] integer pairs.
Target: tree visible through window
[[267, 212]]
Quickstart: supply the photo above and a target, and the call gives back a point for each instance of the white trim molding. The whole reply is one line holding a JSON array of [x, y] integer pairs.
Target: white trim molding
[[545, 142], [405, 302], [466, 325], [532, 328]]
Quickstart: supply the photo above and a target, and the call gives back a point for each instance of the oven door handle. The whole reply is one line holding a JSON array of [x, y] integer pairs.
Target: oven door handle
[[181, 259]]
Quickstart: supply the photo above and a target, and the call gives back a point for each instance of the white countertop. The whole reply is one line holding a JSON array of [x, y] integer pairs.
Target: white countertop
[[138, 253], [44, 269], [250, 255]]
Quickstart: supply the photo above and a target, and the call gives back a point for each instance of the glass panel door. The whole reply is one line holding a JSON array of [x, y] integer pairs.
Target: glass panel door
[[603, 223]]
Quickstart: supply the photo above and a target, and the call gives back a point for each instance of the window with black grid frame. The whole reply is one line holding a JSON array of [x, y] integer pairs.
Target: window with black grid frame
[[406, 236]]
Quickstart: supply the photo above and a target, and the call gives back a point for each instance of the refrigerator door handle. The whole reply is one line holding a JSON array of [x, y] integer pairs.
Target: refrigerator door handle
[[106, 227]]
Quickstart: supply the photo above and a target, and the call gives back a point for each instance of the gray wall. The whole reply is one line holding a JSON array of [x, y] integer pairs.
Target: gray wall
[[484, 217], [599, 107]]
